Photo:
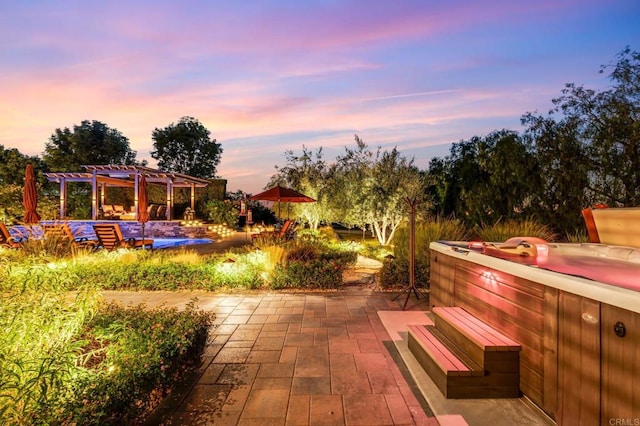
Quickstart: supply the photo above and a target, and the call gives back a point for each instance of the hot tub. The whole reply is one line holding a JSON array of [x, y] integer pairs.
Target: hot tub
[[575, 308], [603, 272]]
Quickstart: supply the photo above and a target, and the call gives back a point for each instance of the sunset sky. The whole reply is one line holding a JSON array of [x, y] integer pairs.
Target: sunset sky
[[267, 76]]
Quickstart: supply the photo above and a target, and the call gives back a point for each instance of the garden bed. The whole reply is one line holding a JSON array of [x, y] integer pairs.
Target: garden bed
[[72, 359]]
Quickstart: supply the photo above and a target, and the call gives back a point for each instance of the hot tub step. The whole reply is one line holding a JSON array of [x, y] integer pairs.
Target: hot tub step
[[439, 361], [466, 358], [484, 344]]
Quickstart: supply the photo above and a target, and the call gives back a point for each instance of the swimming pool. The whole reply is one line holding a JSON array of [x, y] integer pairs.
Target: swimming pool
[[162, 243]]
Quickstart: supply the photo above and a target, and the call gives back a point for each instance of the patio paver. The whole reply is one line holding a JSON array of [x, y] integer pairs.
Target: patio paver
[[294, 359], [309, 359]]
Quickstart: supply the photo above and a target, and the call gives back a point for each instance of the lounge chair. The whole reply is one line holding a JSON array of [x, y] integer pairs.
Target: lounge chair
[[121, 213], [108, 212], [110, 237], [153, 211], [127, 214], [161, 214], [283, 233], [63, 231], [7, 240]]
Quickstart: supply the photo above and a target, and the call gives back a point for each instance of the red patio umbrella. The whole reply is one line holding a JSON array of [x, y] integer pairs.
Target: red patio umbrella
[[281, 194], [30, 196], [143, 203]]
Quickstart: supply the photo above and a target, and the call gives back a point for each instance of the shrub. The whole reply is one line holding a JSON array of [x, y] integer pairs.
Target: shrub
[[324, 235], [166, 271], [374, 250], [49, 248], [427, 232], [396, 272], [39, 345], [311, 265], [503, 230], [221, 212], [134, 356], [578, 236], [272, 256], [316, 273], [246, 272], [249, 268], [69, 361], [303, 253], [343, 257]]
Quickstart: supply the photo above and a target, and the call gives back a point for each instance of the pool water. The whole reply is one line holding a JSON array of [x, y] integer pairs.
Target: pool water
[[160, 243]]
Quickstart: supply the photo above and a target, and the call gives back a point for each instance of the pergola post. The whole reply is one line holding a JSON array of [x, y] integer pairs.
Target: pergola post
[[135, 192], [63, 198], [193, 196], [169, 198], [94, 195], [103, 193]]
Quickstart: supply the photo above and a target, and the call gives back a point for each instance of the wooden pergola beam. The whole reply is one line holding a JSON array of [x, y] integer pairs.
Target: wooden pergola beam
[[101, 176]]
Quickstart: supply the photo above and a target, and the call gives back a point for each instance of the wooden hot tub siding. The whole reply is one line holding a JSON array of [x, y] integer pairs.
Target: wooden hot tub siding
[[517, 311], [572, 365]]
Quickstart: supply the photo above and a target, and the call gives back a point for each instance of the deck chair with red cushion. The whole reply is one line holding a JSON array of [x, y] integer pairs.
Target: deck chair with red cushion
[[110, 238], [279, 234], [63, 231], [7, 240]]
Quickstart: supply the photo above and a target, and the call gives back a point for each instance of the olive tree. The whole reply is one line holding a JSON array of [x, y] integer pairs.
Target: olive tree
[[371, 189], [309, 174]]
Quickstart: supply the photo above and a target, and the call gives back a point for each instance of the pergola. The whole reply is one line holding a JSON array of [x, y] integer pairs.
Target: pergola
[[103, 176]]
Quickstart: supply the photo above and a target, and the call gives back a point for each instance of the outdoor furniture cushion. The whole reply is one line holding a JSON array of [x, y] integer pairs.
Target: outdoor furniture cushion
[[63, 231], [153, 211], [281, 234], [7, 240], [161, 213], [110, 212], [110, 237]]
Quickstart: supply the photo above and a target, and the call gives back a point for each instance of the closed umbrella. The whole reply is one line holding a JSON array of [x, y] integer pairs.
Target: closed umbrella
[[281, 194], [30, 196], [143, 204]]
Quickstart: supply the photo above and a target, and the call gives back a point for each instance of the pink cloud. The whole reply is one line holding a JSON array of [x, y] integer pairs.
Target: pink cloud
[[273, 78]]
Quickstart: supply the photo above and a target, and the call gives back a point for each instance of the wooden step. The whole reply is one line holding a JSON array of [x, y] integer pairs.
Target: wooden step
[[435, 357], [423, 338], [465, 357], [484, 344]]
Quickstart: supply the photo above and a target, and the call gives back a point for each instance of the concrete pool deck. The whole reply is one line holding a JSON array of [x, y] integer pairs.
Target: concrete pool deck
[[328, 358]]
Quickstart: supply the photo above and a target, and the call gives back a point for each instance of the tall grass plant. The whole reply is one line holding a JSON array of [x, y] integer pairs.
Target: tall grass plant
[[503, 230], [578, 236], [39, 348], [66, 358], [395, 270]]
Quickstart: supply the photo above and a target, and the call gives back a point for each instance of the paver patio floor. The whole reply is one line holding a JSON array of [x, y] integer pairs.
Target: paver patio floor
[[294, 359]]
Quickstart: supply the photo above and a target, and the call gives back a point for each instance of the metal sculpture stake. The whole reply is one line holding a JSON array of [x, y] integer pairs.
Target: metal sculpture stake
[[412, 203]]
